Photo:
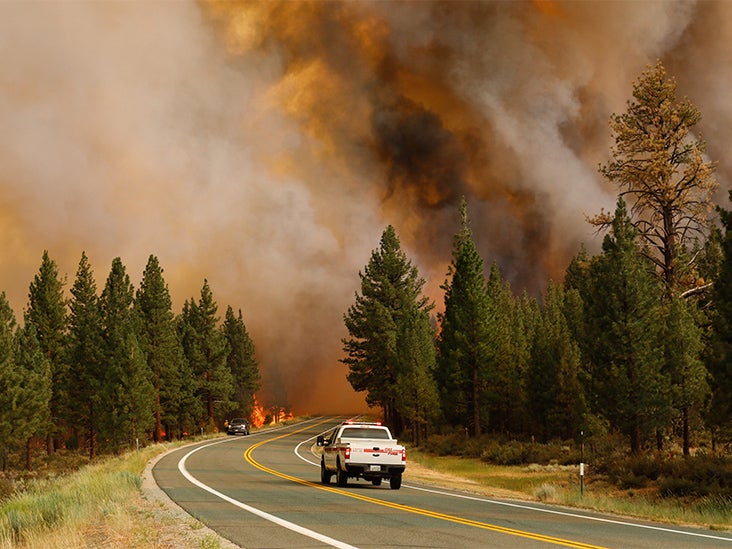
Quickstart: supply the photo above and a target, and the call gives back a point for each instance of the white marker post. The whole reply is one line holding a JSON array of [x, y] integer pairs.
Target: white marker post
[[582, 479], [582, 463]]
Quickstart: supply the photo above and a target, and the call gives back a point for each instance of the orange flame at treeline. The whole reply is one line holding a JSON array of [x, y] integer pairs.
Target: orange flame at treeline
[[274, 414]]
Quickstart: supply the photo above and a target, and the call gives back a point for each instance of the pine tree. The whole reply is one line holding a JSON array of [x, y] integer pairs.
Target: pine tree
[[47, 311], [9, 384], [417, 399], [390, 289], [206, 349], [85, 356], [556, 397], [241, 362], [466, 364], [688, 375], [660, 169], [719, 354], [624, 328], [127, 389], [507, 411], [160, 344], [33, 410]]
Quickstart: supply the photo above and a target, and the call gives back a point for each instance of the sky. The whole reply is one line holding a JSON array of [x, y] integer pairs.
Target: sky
[[265, 146]]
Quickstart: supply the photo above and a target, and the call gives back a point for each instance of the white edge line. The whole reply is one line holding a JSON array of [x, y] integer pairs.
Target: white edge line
[[281, 522], [574, 515], [541, 510]]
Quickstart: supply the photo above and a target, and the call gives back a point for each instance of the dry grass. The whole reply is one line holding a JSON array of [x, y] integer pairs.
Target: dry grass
[[101, 505], [560, 485]]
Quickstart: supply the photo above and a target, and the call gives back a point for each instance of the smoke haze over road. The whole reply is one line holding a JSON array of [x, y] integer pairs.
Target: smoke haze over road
[[265, 146]]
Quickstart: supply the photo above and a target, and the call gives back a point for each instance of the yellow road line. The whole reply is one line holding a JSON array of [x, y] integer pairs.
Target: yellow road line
[[407, 508]]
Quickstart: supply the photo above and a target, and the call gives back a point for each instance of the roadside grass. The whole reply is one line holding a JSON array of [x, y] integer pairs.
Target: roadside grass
[[559, 484], [100, 505]]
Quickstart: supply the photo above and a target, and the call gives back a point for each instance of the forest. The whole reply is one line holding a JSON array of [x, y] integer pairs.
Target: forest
[[108, 372], [634, 343]]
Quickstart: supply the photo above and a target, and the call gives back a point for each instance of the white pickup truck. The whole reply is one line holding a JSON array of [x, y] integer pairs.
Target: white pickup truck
[[361, 450]]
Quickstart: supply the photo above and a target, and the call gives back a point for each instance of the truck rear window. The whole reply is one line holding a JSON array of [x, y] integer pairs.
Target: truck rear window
[[363, 432]]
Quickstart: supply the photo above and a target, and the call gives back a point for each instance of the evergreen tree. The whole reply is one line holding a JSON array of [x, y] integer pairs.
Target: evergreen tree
[[160, 344], [390, 290], [241, 362], [85, 356], [688, 376], [624, 326], [25, 386], [466, 364], [719, 354], [206, 349], [512, 343], [417, 399], [660, 168], [33, 389], [9, 384], [128, 392], [555, 393], [47, 312]]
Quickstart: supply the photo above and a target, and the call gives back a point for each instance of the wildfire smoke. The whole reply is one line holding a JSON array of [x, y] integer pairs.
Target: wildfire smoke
[[266, 145]]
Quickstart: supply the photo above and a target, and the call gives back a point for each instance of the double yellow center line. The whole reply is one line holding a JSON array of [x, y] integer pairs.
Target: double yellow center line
[[406, 508]]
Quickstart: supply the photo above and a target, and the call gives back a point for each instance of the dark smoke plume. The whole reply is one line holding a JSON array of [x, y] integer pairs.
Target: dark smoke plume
[[266, 145]]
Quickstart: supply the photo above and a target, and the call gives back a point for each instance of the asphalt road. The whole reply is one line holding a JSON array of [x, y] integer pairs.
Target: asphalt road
[[264, 491]]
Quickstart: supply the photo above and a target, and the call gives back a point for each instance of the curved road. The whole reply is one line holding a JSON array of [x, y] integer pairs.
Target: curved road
[[263, 491]]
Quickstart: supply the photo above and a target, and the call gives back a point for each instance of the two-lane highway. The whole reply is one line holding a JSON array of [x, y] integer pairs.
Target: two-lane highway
[[263, 491]]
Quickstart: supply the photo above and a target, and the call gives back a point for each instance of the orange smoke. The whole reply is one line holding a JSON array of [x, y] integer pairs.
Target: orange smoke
[[291, 133]]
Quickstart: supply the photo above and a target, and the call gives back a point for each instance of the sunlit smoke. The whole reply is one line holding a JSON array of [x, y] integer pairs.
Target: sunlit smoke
[[266, 145]]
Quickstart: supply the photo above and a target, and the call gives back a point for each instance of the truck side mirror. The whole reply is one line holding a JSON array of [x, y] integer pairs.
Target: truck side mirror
[[321, 440]]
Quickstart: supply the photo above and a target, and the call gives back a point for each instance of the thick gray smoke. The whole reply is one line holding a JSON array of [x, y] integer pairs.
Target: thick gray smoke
[[266, 145]]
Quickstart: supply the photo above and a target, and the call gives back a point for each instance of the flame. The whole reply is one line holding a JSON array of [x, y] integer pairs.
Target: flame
[[262, 415], [259, 414]]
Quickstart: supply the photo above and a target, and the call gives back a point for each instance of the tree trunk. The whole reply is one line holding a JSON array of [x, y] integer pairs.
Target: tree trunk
[[687, 431], [158, 422], [635, 437], [29, 454], [476, 404]]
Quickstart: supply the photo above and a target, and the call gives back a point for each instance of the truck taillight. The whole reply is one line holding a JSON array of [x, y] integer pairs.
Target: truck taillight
[[404, 455], [347, 453]]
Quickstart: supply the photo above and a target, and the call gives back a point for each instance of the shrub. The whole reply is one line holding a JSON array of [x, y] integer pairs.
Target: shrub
[[545, 492]]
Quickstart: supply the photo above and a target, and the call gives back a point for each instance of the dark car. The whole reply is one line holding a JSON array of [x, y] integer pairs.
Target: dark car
[[238, 426]]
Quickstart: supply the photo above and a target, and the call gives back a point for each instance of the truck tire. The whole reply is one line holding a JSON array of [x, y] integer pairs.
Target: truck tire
[[395, 482], [341, 476], [376, 481], [324, 473]]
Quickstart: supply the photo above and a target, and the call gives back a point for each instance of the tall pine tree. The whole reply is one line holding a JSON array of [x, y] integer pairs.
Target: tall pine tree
[[159, 341], [719, 355], [417, 398], [85, 357], [128, 391], [466, 364], [390, 291], [626, 354], [206, 349], [47, 311], [556, 397], [33, 411], [241, 362]]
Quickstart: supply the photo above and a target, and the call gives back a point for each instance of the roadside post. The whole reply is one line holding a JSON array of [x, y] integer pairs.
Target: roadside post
[[582, 463]]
